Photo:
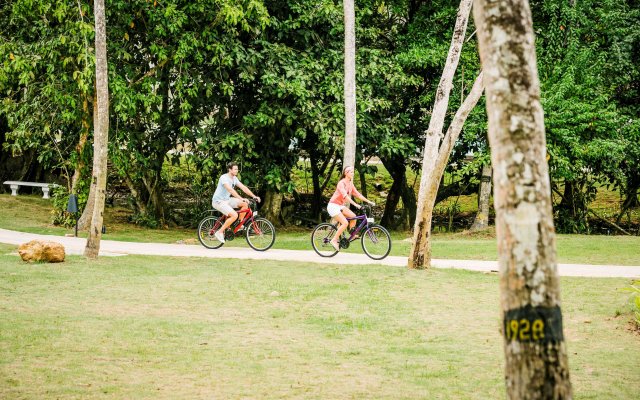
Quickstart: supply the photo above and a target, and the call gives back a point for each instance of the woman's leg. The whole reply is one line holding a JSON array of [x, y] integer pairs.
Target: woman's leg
[[343, 225], [349, 214]]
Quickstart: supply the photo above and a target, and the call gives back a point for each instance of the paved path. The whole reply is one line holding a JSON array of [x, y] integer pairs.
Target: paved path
[[75, 245]]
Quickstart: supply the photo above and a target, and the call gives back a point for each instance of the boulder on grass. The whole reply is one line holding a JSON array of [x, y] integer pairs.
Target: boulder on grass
[[39, 250]]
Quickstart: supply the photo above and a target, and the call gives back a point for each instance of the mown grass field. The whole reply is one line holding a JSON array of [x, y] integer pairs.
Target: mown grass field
[[155, 327], [32, 214]]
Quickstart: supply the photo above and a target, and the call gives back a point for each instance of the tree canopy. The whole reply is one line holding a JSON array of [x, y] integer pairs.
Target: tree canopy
[[261, 82]]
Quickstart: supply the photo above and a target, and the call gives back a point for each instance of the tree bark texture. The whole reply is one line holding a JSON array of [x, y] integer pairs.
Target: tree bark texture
[[453, 132], [481, 220], [349, 158], [535, 351], [420, 250], [101, 133], [272, 207], [397, 170], [85, 218], [363, 181]]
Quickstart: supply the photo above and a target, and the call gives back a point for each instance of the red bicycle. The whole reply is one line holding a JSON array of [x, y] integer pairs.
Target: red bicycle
[[259, 232]]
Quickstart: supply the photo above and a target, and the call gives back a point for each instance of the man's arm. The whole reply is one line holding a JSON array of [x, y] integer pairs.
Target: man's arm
[[232, 191], [248, 191]]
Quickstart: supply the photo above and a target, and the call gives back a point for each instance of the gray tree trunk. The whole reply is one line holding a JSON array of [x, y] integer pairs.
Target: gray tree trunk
[[349, 84], [481, 220], [101, 133], [535, 351], [423, 248], [420, 250]]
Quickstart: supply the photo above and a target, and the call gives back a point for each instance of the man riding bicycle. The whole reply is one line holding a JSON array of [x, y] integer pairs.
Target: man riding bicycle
[[224, 202]]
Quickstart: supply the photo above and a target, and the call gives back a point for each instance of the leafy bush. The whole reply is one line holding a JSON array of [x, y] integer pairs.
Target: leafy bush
[[145, 220], [60, 197]]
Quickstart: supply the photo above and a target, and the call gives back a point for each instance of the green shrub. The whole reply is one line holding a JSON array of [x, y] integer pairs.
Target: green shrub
[[60, 198], [145, 220], [634, 288]]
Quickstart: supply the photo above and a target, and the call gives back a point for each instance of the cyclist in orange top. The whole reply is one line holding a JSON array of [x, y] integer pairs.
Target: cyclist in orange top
[[338, 206]]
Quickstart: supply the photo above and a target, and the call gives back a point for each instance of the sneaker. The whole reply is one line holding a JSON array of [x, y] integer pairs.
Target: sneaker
[[220, 236], [335, 245]]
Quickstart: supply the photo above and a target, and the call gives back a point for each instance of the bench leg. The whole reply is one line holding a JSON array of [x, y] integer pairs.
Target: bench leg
[[45, 192], [14, 189]]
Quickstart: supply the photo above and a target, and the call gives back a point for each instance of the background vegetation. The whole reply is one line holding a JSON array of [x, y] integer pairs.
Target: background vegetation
[[197, 83]]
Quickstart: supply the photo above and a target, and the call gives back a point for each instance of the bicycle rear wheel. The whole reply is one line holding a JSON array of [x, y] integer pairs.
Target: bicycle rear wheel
[[206, 228], [376, 242], [261, 234], [321, 238]]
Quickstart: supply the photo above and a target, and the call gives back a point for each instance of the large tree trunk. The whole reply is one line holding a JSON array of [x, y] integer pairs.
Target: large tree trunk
[[409, 203], [481, 220], [101, 133], [420, 255], [631, 196], [272, 206], [397, 170], [349, 84], [535, 351], [152, 181]]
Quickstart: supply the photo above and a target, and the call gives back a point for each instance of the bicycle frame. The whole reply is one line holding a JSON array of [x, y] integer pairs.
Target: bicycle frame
[[248, 215], [359, 226]]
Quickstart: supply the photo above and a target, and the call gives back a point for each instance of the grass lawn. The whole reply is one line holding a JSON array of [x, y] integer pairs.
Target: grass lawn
[[32, 214], [149, 327]]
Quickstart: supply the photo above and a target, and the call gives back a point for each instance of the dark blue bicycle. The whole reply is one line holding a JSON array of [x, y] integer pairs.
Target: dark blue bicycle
[[375, 239]]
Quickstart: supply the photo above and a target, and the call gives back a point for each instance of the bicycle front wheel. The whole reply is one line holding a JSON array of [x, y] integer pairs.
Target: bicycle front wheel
[[206, 228], [376, 242], [321, 238], [261, 234]]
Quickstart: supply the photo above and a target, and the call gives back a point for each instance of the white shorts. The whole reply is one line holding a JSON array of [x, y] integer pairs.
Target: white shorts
[[226, 207], [334, 209]]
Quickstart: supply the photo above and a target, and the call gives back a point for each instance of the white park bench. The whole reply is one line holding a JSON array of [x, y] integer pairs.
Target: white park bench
[[15, 185]]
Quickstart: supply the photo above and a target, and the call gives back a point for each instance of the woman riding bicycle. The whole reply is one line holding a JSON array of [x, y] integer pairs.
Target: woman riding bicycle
[[338, 205]]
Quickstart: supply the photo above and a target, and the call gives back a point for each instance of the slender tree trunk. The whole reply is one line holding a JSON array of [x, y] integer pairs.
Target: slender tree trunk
[[482, 217], [87, 213], [316, 199], [535, 351], [101, 133], [420, 250], [140, 203], [84, 135], [329, 172], [363, 181], [349, 84]]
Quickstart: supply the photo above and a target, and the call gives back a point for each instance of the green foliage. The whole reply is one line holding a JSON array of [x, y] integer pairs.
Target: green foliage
[[634, 288], [46, 78], [262, 83], [585, 62], [144, 220], [60, 198]]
